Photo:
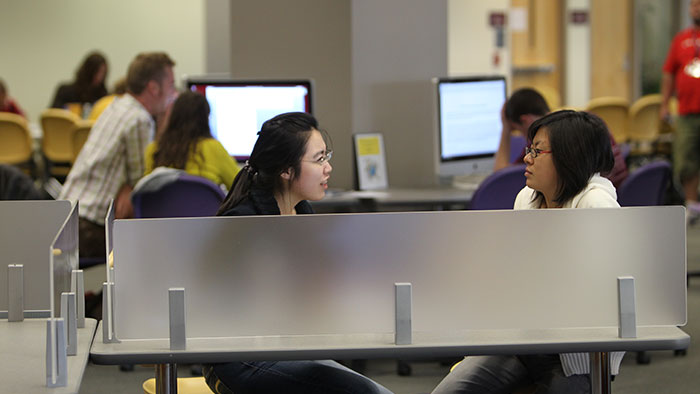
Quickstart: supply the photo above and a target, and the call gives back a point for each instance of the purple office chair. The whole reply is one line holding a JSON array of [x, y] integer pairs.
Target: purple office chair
[[646, 186], [517, 147], [187, 196], [498, 190]]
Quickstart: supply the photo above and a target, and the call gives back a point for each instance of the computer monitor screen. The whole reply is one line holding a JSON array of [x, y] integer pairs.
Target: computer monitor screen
[[239, 108], [468, 123]]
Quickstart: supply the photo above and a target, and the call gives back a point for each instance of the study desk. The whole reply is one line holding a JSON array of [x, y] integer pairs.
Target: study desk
[[23, 361], [360, 346], [438, 198]]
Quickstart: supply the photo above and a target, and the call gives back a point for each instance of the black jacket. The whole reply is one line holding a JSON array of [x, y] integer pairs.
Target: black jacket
[[260, 202]]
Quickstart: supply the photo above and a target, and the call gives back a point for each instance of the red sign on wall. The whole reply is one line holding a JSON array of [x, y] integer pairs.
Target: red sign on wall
[[497, 19], [579, 17]]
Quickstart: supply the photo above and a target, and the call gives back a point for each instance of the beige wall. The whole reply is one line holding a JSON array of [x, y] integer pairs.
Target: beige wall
[[301, 39], [44, 41], [398, 46]]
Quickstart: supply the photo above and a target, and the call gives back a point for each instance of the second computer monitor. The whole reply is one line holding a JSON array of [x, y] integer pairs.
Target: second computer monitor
[[239, 108], [468, 126]]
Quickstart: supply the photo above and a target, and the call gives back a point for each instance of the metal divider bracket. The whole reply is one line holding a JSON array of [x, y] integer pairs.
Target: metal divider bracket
[[402, 335], [627, 305], [15, 292], [178, 337]]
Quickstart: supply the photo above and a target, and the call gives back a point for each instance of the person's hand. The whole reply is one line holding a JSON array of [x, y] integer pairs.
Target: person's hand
[[664, 113], [122, 204], [507, 126]]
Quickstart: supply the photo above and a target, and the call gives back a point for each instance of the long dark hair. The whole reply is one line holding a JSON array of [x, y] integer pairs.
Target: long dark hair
[[189, 122], [580, 145], [85, 76], [280, 145]]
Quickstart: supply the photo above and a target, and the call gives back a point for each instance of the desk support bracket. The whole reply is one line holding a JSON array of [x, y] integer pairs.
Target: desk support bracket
[[56, 360], [70, 322], [15, 295], [108, 334], [627, 307], [178, 337], [402, 335], [77, 286]]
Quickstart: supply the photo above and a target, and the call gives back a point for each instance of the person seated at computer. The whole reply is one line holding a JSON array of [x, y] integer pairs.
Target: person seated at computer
[[569, 151], [525, 106], [288, 166], [88, 86], [187, 144], [7, 104]]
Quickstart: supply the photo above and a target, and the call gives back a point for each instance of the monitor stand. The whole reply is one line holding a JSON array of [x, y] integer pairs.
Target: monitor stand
[[463, 182]]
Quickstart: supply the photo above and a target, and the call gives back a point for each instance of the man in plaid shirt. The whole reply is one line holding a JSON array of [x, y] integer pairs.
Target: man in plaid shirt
[[112, 159]]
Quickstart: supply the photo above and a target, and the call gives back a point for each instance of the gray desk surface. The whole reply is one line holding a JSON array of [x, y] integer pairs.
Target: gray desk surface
[[472, 342], [23, 360], [400, 196]]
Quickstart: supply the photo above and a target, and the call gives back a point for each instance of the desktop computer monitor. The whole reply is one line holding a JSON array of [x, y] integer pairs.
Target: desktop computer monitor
[[239, 107], [468, 124]]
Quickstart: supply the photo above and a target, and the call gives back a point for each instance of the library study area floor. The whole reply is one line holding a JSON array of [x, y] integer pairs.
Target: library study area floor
[[666, 373]]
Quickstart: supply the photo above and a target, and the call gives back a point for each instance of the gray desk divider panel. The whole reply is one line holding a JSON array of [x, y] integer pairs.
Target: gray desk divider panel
[[65, 255], [320, 274], [27, 229]]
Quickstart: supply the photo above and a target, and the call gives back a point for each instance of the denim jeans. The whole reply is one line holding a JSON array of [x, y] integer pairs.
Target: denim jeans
[[504, 374], [291, 377]]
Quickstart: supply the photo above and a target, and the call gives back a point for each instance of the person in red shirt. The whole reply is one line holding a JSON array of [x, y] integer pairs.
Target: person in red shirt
[[6, 103], [681, 73]]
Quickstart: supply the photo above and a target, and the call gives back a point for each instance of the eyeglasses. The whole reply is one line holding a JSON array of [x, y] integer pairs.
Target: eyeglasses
[[534, 152], [325, 157]]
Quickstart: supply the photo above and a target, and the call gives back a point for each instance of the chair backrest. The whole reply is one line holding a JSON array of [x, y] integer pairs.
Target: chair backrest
[[615, 112], [15, 139], [58, 126], [498, 190], [80, 135], [644, 118], [517, 144], [187, 196], [645, 186]]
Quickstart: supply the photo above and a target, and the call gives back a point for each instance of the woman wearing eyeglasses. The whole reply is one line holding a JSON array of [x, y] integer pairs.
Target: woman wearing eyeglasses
[[569, 151], [288, 166]]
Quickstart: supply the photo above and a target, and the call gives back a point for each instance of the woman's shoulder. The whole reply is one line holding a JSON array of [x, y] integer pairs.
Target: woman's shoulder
[[524, 199], [244, 208], [600, 193]]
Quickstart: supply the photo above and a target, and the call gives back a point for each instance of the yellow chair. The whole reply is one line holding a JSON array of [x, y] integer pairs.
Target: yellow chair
[[15, 141], [80, 135], [57, 145], [644, 123], [615, 113], [184, 386]]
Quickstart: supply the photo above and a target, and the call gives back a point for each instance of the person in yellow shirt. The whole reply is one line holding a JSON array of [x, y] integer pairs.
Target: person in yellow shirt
[[186, 143]]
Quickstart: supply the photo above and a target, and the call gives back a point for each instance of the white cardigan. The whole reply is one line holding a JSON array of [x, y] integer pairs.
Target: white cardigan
[[599, 193]]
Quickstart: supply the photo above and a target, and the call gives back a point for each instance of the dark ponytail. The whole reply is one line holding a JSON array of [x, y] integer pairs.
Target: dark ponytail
[[281, 144]]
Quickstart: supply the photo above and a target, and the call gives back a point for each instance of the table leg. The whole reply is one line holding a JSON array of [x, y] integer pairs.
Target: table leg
[[600, 373], [166, 378]]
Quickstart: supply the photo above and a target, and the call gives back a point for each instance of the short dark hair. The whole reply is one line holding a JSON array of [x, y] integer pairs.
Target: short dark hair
[[523, 102], [580, 145], [188, 124], [149, 66], [281, 144]]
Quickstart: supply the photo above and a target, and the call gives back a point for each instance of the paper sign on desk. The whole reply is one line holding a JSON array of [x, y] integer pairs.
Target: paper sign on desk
[[370, 161]]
